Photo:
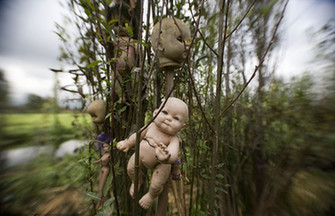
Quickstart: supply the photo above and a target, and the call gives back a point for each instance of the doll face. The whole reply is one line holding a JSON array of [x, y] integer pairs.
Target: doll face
[[172, 117], [173, 42], [106, 147], [97, 110]]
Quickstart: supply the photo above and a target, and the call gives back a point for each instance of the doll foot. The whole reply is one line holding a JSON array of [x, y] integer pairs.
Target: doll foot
[[131, 190], [146, 201]]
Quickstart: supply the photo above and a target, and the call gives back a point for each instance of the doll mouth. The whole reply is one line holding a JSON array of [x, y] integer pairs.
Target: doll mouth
[[167, 124]]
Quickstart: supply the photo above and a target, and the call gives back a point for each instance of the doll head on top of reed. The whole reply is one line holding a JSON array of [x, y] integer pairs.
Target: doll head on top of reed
[[171, 39]]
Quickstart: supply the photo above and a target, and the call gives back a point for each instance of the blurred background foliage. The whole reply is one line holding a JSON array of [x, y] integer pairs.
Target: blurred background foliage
[[275, 153]]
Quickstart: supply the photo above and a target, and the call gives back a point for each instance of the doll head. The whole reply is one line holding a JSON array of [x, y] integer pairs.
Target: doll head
[[106, 147], [97, 110], [173, 116], [172, 43], [121, 16]]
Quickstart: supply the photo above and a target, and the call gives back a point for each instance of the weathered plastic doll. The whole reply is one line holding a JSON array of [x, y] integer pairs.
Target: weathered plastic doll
[[97, 110], [159, 148], [126, 54], [124, 49], [104, 171], [171, 40]]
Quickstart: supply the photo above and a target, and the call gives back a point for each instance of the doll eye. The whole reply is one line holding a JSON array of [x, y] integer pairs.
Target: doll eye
[[176, 118], [164, 112]]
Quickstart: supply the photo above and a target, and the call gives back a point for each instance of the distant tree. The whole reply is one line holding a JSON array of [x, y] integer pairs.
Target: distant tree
[[3, 91], [35, 103]]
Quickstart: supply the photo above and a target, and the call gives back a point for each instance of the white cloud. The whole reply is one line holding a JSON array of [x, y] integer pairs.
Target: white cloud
[[26, 77], [28, 32], [29, 47], [296, 47]]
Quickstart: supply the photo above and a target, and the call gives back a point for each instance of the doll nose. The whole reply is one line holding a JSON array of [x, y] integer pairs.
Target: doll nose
[[168, 117]]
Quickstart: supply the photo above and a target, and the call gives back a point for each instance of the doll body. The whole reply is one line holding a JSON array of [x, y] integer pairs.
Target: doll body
[[124, 49], [125, 55], [159, 146], [104, 171]]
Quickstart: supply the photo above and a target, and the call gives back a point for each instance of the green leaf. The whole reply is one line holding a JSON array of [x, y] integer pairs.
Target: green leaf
[[92, 195], [114, 143], [130, 31], [122, 110], [220, 165], [61, 36], [108, 115], [139, 42], [93, 64]]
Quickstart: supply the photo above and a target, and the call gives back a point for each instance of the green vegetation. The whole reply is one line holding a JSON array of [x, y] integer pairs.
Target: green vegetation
[[35, 129], [43, 183]]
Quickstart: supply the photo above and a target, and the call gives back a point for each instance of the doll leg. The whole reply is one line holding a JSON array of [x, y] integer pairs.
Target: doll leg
[[131, 174], [103, 178], [159, 178]]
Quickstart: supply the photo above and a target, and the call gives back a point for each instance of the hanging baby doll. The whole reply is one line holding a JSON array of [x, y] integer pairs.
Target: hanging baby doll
[[159, 147], [104, 171], [97, 110], [125, 30]]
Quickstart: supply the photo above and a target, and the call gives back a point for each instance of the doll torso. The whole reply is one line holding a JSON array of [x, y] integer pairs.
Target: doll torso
[[105, 160], [149, 143], [126, 55]]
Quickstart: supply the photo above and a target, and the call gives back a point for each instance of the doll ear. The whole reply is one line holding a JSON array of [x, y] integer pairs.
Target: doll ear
[[155, 112], [160, 46]]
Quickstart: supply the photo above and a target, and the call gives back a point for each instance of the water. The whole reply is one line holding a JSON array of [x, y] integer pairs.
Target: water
[[69, 147], [21, 156]]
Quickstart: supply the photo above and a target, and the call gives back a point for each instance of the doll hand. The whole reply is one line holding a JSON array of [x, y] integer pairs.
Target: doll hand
[[162, 154], [123, 146]]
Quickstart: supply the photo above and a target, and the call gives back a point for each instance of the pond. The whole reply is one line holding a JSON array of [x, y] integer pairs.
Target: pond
[[23, 155]]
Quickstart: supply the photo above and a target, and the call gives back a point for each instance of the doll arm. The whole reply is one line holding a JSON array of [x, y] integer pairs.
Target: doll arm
[[97, 161], [168, 154], [126, 144], [162, 154], [173, 149]]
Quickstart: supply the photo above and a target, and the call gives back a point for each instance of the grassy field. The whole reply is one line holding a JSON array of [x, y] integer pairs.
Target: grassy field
[[25, 129]]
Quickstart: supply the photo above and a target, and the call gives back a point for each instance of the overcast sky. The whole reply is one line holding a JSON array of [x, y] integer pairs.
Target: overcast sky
[[28, 45]]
